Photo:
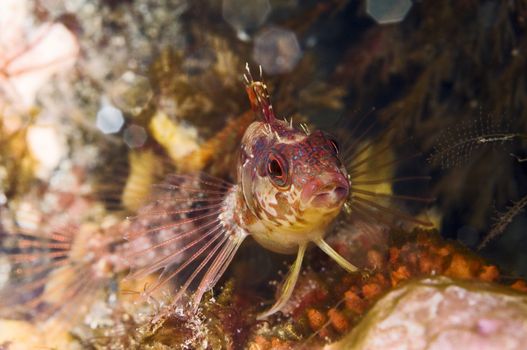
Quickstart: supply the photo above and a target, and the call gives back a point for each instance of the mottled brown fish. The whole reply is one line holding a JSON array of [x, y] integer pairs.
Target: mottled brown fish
[[291, 186]]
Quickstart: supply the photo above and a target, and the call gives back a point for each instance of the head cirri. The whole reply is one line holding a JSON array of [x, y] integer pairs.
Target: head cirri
[[293, 182]]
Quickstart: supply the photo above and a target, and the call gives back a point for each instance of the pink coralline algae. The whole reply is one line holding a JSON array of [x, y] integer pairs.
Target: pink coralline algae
[[26, 65]]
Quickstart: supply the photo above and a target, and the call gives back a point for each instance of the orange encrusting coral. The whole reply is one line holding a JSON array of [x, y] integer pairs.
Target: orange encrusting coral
[[409, 256], [316, 319], [354, 302], [520, 285], [489, 273], [338, 320]]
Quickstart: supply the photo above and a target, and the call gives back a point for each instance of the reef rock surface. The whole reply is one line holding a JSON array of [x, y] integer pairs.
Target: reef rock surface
[[440, 313]]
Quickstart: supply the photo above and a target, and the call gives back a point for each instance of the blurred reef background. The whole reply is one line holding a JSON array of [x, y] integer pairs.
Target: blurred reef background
[[101, 98]]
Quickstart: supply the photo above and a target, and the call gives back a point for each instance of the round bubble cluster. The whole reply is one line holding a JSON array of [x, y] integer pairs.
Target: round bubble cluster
[[244, 15], [109, 119], [388, 11], [134, 136], [277, 50]]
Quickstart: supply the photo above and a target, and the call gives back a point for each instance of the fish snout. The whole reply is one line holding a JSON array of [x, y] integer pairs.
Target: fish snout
[[327, 191]]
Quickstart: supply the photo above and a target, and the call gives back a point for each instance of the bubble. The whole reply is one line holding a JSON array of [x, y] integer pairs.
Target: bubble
[[134, 136], [388, 11], [245, 15], [109, 119], [277, 50], [311, 41], [131, 92]]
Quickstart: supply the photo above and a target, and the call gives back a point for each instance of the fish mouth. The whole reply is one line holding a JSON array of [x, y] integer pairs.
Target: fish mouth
[[328, 192]]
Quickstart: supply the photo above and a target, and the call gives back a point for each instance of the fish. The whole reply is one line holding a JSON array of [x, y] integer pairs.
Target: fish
[[291, 186]]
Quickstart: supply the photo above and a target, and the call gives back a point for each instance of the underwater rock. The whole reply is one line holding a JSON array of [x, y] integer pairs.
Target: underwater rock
[[440, 313]]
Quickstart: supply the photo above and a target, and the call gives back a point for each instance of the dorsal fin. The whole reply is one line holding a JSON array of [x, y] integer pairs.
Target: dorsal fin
[[259, 96]]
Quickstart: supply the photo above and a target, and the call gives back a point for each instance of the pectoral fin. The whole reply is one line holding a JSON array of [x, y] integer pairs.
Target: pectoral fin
[[326, 248], [288, 286]]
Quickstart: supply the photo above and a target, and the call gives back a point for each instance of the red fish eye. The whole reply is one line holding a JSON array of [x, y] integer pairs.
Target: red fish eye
[[277, 170], [334, 145]]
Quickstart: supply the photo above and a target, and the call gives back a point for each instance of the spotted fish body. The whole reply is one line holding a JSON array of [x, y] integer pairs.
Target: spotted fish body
[[291, 185]]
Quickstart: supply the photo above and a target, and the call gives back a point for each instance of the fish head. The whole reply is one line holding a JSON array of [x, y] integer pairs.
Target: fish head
[[292, 180]]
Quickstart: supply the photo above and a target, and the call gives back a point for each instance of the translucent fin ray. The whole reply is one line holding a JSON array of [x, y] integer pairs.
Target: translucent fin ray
[[392, 196], [187, 242], [168, 259], [394, 212], [390, 180], [326, 248], [287, 289]]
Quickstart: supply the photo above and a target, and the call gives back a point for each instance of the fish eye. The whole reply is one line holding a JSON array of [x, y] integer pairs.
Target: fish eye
[[277, 169], [334, 145]]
